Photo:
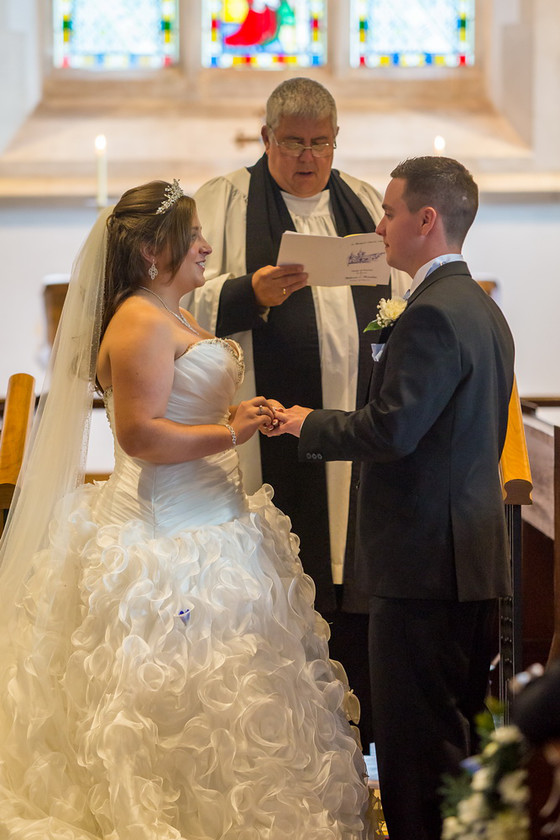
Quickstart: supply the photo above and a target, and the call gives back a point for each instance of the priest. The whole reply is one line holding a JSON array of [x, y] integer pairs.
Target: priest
[[302, 345]]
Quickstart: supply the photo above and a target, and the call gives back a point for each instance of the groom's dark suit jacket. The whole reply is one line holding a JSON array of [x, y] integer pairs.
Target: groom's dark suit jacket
[[431, 516]]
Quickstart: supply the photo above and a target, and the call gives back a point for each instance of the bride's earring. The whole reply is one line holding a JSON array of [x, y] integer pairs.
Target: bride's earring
[[152, 271]]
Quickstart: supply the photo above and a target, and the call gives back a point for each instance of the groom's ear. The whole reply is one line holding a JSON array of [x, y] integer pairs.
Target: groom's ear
[[428, 219]]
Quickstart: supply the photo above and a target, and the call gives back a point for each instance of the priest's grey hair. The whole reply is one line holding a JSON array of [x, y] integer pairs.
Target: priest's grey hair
[[300, 97]]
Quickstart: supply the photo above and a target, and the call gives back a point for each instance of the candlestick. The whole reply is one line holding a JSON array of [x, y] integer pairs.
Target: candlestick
[[101, 155]]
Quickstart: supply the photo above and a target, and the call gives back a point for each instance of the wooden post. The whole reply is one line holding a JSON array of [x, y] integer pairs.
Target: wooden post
[[18, 413], [517, 486]]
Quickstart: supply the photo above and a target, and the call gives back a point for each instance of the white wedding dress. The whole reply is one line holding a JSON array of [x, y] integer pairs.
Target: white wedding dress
[[173, 681]]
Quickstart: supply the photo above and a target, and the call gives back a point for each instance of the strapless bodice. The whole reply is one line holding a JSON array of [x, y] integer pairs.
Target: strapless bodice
[[207, 491]]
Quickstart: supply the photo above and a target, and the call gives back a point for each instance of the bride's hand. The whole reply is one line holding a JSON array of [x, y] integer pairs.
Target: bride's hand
[[278, 419], [250, 415]]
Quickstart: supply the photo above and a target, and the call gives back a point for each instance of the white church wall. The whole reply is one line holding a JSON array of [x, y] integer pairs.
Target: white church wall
[[517, 244], [35, 243], [546, 107], [522, 63], [20, 64], [510, 29]]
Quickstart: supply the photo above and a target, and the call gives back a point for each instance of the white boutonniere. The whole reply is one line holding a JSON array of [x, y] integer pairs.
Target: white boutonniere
[[388, 312]]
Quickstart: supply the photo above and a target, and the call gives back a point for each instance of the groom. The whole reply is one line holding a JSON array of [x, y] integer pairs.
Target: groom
[[431, 530]]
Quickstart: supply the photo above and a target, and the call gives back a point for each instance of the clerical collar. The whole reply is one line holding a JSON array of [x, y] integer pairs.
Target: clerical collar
[[430, 266]]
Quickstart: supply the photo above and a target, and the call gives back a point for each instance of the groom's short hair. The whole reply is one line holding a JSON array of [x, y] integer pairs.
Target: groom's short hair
[[446, 185]]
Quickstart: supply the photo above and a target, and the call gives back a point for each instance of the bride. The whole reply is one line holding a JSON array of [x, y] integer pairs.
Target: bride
[[163, 672]]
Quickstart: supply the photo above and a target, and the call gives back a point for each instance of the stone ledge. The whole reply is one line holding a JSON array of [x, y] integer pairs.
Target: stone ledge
[[43, 191]]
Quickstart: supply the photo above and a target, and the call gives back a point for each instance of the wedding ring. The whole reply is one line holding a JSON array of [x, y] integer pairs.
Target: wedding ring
[[283, 291], [260, 409]]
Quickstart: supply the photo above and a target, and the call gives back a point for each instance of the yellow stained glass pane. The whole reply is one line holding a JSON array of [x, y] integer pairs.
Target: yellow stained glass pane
[[235, 10]]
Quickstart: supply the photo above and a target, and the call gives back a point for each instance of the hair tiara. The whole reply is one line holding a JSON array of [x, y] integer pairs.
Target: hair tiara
[[172, 193]]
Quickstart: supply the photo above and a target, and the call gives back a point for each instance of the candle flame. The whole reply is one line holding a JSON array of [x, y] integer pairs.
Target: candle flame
[[439, 144]]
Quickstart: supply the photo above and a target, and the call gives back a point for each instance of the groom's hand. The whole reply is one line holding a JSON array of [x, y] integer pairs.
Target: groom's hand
[[290, 421]]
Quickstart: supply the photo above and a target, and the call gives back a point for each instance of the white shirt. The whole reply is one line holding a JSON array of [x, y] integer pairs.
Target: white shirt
[[430, 266]]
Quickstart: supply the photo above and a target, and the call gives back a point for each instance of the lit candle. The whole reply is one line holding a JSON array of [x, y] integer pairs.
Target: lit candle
[[439, 144], [101, 155]]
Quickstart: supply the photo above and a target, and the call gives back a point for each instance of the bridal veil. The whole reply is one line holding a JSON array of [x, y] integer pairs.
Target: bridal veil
[[54, 462]]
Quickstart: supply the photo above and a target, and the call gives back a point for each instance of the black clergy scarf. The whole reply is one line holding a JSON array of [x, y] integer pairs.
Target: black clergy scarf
[[288, 364], [267, 219]]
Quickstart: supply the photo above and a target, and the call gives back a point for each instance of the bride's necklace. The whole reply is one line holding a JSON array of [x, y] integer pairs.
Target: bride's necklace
[[179, 317]]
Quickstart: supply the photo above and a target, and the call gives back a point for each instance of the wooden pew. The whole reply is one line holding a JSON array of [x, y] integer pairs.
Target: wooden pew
[[541, 535], [19, 406], [540, 576], [54, 295]]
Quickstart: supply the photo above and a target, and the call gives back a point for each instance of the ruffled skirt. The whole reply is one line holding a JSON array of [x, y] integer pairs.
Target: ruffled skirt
[[176, 689]]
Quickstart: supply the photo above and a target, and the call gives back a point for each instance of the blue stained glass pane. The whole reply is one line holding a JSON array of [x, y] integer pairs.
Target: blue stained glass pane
[[115, 34], [412, 33]]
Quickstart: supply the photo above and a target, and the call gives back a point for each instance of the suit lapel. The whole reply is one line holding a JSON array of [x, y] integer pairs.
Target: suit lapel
[[455, 268]]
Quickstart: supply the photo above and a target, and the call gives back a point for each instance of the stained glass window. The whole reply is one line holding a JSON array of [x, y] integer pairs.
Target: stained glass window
[[412, 33], [269, 34], [115, 34]]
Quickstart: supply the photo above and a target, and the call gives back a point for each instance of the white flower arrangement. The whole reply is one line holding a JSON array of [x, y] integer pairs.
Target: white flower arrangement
[[489, 800], [389, 311]]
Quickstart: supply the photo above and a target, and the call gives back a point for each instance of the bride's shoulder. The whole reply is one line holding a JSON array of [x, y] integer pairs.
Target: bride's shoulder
[[139, 314], [137, 324]]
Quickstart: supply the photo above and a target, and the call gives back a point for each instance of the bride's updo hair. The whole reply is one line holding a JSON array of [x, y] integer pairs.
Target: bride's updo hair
[[135, 224]]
